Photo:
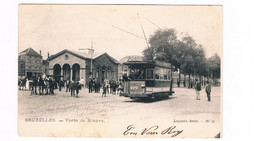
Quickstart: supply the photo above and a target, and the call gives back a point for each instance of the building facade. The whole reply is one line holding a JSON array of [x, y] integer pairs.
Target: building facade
[[72, 65], [29, 63]]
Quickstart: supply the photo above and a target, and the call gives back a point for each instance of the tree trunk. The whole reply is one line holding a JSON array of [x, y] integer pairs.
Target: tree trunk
[[180, 76], [184, 81], [189, 81]]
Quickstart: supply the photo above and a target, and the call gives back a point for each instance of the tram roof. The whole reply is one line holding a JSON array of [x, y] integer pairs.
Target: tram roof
[[152, 64], [137, 63]]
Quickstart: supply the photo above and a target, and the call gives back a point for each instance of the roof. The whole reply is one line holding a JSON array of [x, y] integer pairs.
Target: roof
[[82, 55], [131, 58], [156, 63], [30, 52], [136, 62], [110, 57]]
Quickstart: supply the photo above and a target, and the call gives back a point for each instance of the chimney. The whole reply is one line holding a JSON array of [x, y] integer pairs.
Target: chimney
[[40, 52], [48, 54]]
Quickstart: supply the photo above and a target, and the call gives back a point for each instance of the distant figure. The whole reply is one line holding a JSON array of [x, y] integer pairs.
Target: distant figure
[[35, 84], [68, 85], [125, 76], [27, 84], [197, 89], [96, 86], [120, 88], [51, 86], [82, 82], [104, 87], [77, 87], [184, 83], [72, 88], [208, 90], [191, 84], [40, 84], [178, 82], [90, 84]]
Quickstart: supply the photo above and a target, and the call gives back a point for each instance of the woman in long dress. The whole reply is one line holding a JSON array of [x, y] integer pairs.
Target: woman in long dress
[[27, 84]]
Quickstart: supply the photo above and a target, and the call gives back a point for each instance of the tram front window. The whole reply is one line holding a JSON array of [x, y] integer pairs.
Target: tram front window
[[136, 74]]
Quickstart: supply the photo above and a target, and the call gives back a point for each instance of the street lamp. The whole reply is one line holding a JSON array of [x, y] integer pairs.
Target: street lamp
[[91, 50]]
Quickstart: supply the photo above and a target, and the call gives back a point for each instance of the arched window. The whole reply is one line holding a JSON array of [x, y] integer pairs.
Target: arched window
[[97, 72], [76, 72], [66, 72], [108, 73]]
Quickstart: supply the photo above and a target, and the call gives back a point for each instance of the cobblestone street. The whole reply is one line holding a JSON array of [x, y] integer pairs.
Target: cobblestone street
[[118, 109], [92, 104]]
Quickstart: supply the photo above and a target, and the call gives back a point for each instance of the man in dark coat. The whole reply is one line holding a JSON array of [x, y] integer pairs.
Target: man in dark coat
[[198, 89], [72, 88], [77, 87], [35, 84], [208, 90], [90, 85], [68, 85], [40, 84]]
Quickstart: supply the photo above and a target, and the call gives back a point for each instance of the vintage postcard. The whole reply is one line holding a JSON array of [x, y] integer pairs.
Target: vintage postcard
[[124, 71]]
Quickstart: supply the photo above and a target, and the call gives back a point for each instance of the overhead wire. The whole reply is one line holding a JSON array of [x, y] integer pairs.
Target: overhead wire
[[116, 27], [143, 30]]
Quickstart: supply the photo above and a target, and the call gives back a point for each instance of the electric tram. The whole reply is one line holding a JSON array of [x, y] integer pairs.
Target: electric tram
[[147, 80]]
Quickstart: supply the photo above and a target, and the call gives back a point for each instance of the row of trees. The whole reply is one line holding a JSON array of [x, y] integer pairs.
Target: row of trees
[[183, 54]]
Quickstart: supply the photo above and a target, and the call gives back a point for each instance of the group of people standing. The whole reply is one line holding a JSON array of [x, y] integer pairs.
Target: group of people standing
[[40, 84], [73, 87], [198, 89], [44, 85], [107, 86]]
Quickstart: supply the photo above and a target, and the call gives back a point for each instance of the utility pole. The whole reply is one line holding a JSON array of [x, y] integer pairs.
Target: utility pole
[[91, 52]]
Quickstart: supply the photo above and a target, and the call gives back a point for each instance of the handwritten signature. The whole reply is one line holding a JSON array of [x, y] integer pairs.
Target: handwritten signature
[[153, 130]]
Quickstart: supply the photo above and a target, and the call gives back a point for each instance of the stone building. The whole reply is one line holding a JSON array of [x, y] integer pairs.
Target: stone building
[[29, 63], [74, 65]]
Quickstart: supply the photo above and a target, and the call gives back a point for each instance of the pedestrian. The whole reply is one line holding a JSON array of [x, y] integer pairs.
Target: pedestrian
[[47, 85], [178, 82], [120, 87], [67, 85], [208, 90], [77, 87], [104, 87], [95, 85], [184, 83], [51, 86], [98, 86], [72, 88], [40, 84], [82, 82], [90, 84], [197, 89], [60, 84], [27, 87], [35, 84], [117, 87]]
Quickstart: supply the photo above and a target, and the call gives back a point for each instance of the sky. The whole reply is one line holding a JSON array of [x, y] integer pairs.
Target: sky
[[114, 29]]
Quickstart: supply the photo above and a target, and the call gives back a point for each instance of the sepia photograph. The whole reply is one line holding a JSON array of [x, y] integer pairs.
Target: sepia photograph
[[120, 71]]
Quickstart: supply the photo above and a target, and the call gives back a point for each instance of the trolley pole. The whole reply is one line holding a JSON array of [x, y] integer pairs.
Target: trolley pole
[[91, 50]]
